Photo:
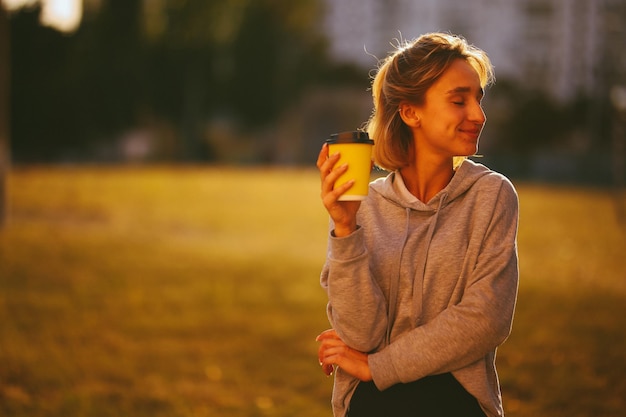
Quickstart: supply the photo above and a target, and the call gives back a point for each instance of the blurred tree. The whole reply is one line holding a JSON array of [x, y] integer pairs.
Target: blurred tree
[[76, 92], [178, 63], [5, 66], [534, 121], [537, 122], [105, 70], [42, 119], [240, 60], [277, 52]]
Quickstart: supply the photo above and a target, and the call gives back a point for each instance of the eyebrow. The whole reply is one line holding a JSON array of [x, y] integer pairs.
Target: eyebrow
[[465, 90]]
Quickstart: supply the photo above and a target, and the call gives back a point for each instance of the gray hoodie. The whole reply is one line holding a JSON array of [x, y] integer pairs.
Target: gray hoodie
[[427, 288]]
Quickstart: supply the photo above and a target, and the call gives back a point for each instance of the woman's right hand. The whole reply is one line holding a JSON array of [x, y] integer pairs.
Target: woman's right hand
[[343, 213]]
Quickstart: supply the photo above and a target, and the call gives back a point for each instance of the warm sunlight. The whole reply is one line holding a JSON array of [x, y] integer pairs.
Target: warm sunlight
[[63, 15]]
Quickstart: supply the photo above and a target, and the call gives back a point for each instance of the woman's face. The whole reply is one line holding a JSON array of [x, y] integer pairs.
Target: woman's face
[[451, 118]]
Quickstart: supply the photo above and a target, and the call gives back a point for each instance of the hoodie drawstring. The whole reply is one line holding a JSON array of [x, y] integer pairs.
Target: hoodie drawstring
[[420, 271], [393, 290]]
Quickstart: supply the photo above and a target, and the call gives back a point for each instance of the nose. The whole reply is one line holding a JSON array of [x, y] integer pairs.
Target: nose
[[477, 114]]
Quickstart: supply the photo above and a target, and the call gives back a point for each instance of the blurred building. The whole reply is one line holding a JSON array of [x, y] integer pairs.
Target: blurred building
[[563, 47]]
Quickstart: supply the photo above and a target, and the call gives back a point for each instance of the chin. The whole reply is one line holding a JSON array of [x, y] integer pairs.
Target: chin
[[469, 151], [473, 149]]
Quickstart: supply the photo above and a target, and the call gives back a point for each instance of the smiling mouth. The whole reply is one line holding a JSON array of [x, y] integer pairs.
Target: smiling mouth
[[475, 133]]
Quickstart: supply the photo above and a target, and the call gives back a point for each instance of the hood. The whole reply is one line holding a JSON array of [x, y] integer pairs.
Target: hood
[[393, 189]]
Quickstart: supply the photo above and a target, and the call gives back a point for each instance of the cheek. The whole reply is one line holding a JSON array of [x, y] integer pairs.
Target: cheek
[[454, 119]]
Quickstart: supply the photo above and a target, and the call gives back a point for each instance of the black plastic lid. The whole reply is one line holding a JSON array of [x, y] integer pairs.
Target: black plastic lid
[[350, 137]]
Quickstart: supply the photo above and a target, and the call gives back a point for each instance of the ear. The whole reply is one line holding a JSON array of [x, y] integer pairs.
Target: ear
[[409, 114]]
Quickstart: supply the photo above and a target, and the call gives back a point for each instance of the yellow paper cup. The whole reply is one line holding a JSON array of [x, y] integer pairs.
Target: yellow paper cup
[[355, 149]]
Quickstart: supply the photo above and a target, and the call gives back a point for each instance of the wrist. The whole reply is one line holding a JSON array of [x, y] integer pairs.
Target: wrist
[[342, 231]]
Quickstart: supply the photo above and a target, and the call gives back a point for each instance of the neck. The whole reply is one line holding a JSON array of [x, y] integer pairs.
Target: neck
[[424, 179]]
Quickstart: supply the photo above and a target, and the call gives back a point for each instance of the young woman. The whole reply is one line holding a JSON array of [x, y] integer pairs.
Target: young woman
[[422, 275]]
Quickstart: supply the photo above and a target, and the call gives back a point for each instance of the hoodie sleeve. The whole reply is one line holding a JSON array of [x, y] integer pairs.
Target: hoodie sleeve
[[466, 332], [356, 307]]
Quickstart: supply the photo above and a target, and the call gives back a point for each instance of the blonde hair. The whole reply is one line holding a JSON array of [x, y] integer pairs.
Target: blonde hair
[[405, 76]]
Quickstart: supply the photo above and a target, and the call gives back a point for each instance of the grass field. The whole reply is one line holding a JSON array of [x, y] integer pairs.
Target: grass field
[[154, 291]]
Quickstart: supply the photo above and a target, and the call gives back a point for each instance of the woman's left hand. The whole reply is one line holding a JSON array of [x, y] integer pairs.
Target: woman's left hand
[[334, 352]]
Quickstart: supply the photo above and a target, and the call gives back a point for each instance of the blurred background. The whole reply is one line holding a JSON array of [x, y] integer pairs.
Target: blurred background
[[265, 81], [161, 234]]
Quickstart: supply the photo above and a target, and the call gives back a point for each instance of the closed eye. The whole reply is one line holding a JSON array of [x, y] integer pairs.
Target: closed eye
[[460, 94], [459, 101]]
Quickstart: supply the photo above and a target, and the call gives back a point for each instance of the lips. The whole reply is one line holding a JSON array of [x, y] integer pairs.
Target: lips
[[474, 133]]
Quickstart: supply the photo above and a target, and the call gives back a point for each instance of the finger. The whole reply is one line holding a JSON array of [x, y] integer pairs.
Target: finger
[[336, 354], [327, 334], [328, 364], [320, 353], [327, 368], [352, 361], [331, 198], [341, 190], [332, 353], [329, 345], [329, 348], [322, 156], [328, 166], [325, 161], [329, 339], [329, 181], [333, 350]]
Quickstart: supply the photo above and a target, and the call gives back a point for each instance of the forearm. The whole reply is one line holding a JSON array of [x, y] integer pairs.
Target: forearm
[[356, 305], [456, 338]]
